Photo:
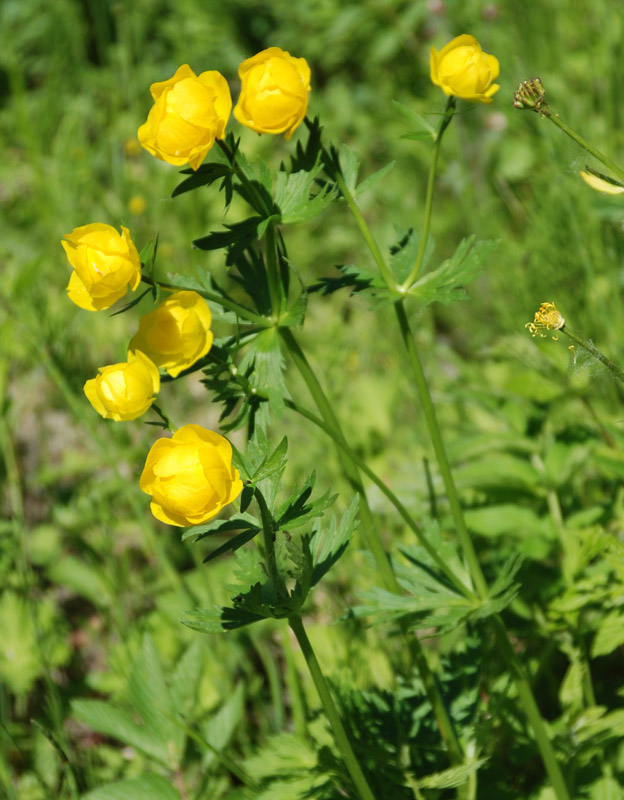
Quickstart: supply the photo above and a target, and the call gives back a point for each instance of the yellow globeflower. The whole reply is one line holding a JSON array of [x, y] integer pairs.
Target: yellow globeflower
[[176, 333], [188, 114], [274, 94], [190, 476], [462, 69], [105, 264], [124, 391]]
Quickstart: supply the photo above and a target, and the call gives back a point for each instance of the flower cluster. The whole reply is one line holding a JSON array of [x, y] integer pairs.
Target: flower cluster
[[190, 476], [191, 111]]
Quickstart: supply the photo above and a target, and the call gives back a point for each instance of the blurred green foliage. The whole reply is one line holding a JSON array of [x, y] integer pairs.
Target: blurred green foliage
[[93, 590]]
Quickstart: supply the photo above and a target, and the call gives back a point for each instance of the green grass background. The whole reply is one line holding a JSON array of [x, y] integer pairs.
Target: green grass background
[[84, 570]]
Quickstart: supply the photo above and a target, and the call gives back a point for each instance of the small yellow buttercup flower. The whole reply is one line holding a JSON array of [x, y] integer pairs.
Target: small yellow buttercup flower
[[547, 317], [105, 265], [190, 476], [124, 391], [462, 69], [189, 112], [176, 333], [601, 183], [274, 94]]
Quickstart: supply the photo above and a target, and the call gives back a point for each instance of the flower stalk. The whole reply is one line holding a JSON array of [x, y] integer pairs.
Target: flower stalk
[[531, 95], [296, 624], [447, 116], [522, 684], [340, 735], [587, 345], [375, 545]]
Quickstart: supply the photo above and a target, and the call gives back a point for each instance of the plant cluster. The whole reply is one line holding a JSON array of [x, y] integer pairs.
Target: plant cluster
[[459, 722]]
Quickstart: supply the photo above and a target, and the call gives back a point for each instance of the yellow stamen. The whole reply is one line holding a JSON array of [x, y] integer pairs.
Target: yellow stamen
[[547, 317]]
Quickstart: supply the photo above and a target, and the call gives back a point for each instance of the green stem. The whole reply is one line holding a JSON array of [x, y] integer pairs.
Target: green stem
[[268, 532], [524, 689], [428, 408], [218, 299], [273, 277], [373, 541], [583, 142], [384, 489], [272, 673], [297, 699], [531, 710], [587, 345], [260, 205], [375, 545], [340, 735], [365, 231], [424, 236]]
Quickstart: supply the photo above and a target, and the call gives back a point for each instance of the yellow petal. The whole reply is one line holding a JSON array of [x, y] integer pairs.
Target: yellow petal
[[600, 185]]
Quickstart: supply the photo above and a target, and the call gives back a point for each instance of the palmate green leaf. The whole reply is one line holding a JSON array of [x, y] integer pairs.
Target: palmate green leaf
[[232, 544], [283, 755], [305, 158], [149, 694], [265, 356], [186, 678], [250, 606], [294, 197], [389, 606], [241, 234], [351, 277], [423, 128], [349, 165], [219, 730], [110, 721], [146, 787], [201, 282], [240, 522], [373, 179], [505, 518], [329, 541], [82, 578], [206, 175], [403, 254], [610, 634], [452, 777], [137, 300], [445, 284], [297, 511]]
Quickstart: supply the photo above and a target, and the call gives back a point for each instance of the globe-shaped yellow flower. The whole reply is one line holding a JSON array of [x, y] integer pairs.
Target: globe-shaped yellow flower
[[105, 265], [462, 69], [124, 391], [274, 94], [176, 333], [189, 112], [190, 476]]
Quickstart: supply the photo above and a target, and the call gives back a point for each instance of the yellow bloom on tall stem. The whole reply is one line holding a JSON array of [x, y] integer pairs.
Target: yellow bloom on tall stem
[[462, 69], [190, 477], [105, 265], [176, 333], [188, 114], [274, 94], [124, 391]]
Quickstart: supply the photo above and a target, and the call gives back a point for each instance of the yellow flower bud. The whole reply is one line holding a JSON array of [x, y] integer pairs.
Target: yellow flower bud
[[274, 94], [124, 391], [176, 333], [462, 69], [105, 265], [188, 114], [190, 476]]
